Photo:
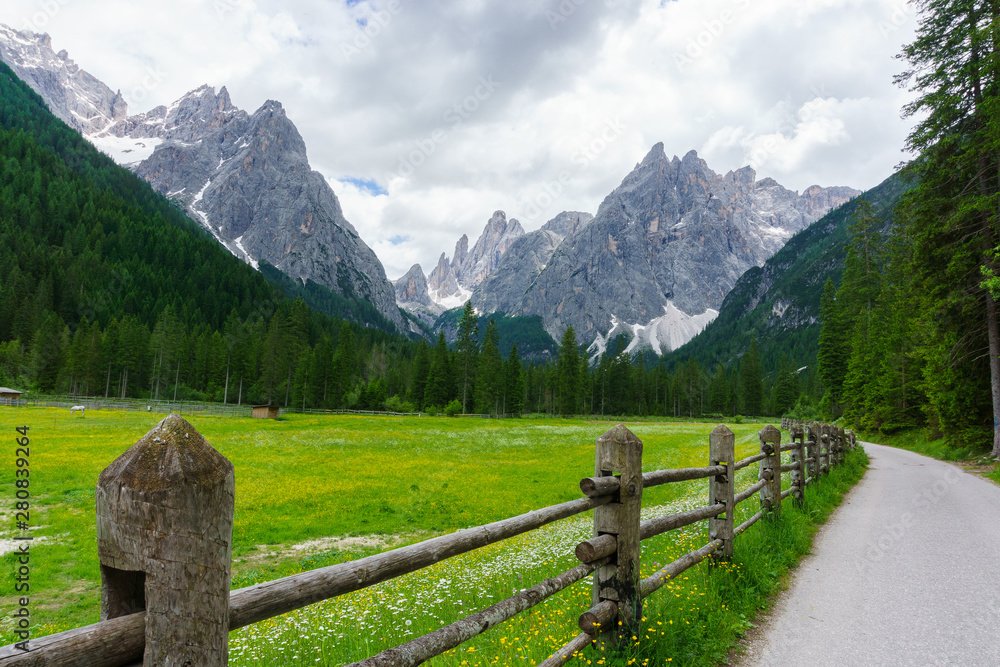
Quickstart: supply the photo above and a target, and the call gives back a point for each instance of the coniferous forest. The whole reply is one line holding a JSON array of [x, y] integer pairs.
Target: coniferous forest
[[110, 290], [910, 336]]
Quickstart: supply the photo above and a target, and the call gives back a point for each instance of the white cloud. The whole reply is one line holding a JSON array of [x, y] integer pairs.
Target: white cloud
[[373, 86]]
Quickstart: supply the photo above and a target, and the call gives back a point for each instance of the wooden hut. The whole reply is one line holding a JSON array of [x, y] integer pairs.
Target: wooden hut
[[265, 412], [10, 396]]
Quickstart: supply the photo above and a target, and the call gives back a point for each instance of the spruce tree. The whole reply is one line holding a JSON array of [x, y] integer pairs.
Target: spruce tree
[[751, 381], [467, 347], [954, 208], [568, 373], [438, 391], [490, 376], [834, 349], [514, 383], [717, 391], [421, 370]]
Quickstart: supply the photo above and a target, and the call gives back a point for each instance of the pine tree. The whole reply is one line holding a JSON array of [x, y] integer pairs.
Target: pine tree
[[514, 385], [834, 343], [568, 372], [751, 381], [439, 377], [717, 391], [490, 375], [345, 365], [954, 208], [421, 370], [786, 388], [467, 347]]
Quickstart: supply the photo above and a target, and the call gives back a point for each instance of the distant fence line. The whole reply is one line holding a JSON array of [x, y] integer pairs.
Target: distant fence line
[[199, 407], [165, 549]]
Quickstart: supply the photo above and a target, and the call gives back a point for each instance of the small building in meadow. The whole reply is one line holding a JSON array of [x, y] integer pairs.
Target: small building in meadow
[[10, 396], [265, 411]]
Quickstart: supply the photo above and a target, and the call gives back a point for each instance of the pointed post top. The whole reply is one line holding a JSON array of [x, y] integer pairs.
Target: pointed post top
[[722, 429], [172, 455], [620, 433], [770, 434]]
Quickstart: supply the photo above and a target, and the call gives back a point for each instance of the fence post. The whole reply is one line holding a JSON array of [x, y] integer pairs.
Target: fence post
[[799, 456], [770, 469], [722, 451], [164, 541], [813, 434], [826, 443], [619, 452]]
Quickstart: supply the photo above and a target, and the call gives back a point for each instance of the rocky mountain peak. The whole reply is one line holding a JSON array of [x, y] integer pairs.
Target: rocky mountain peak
[[245, 178], [411, 289], [662, 253], [73, 95], [656, 154], [567, 222], [451, 283], [461, 252]]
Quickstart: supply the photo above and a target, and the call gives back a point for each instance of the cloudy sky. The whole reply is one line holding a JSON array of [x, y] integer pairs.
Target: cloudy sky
[[428, 115]]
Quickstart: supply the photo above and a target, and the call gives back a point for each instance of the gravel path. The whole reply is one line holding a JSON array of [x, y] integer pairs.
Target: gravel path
[[906, 572]]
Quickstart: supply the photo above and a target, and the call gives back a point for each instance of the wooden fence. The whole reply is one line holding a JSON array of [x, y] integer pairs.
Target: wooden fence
[[164, 527]]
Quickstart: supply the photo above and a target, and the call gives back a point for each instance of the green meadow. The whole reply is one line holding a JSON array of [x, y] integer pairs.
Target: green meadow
[[314, 490]]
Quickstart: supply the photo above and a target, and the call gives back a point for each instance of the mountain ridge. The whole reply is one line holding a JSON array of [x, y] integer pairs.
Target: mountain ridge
[[216, 160]]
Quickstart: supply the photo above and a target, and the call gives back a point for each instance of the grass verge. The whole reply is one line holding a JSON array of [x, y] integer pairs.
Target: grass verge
[[698, 619]]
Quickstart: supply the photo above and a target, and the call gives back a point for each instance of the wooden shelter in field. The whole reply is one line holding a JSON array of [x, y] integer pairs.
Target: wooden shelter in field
[[10, 396], [265, 411]]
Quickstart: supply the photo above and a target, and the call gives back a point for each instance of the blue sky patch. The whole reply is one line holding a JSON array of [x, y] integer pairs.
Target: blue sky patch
[[401, 238], [366, 184]]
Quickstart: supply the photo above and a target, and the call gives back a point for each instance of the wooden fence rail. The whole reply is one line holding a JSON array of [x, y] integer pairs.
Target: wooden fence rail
[[153, 517]]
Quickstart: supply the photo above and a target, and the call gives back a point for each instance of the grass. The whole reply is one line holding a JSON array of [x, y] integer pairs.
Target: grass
[[400, 480]]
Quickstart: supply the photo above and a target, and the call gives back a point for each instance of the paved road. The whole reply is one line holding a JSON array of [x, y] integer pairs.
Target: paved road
[[906, 572]]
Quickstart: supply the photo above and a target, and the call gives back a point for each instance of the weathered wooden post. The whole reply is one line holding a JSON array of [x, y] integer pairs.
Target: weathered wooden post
[[722, 451], [815, 435], [822, 448], [164, 540], [799, 456], [619, 452], [770, 469], [841, 445]]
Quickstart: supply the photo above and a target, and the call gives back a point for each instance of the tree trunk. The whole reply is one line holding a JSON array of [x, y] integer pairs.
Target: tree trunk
[[225, 394], [177, 379], [993, 330]]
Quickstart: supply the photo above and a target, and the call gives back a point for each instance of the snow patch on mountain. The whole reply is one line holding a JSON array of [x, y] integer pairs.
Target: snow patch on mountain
[[450, 300], [124, 150], [661, 335]]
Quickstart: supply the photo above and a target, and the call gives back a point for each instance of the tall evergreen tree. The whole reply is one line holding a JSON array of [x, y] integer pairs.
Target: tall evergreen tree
[[751, 381], [467, 347], [514, 383], [786, 387], [439, 377], [834, 346], [490, 382], [421, 370], [717, 391], [954, 69], [568, 372]]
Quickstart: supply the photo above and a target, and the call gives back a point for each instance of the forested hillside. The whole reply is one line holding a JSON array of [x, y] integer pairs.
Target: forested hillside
[[110, 290], [911, 337]]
